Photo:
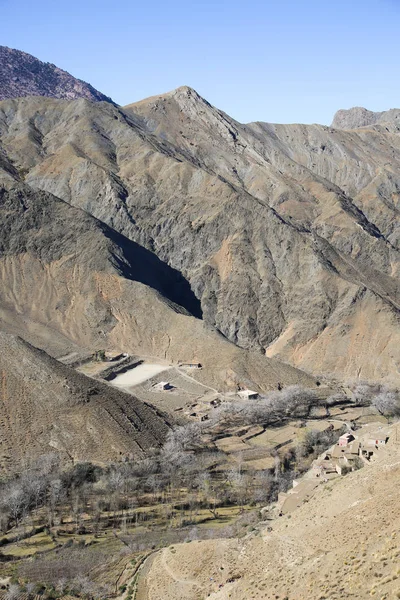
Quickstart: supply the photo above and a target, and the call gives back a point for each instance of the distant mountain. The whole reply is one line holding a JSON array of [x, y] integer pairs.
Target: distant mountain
[[357, 117], [22, 74]]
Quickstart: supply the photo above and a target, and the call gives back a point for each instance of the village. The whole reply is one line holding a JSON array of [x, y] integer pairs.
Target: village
[[233, 476], [180, 391], [354, 450]]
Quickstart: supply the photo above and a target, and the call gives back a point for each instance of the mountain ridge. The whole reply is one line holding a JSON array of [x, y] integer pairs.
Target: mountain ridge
[[286, 234], [21, 74]]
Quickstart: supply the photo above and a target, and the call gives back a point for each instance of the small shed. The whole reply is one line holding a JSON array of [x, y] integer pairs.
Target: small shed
[[366, 452], [318, 469], [248, 394], [329, 467], [337, 452]]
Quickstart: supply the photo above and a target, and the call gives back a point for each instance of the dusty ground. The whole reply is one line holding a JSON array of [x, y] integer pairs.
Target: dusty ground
[[138, 375], [343, 543]]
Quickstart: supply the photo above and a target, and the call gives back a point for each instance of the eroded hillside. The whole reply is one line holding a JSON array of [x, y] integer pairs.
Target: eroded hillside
[[48, 407]]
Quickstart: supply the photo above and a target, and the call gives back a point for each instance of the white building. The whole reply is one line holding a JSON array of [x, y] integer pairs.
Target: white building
[[163, 386], [248, 395]]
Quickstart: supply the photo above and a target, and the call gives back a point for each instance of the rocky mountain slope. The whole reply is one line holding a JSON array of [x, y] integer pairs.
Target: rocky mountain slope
[[341, 543], [69, 281], [22, 74], [48, 407], [288, 235]]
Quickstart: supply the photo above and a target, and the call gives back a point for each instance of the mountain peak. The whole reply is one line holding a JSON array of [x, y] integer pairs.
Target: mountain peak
[[21, 74], [355, 117], [185, 89]]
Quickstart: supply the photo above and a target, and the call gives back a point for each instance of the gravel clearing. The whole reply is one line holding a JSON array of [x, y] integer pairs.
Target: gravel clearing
[[138, 374]]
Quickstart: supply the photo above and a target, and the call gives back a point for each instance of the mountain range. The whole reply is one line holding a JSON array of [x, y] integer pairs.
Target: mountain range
[[269, 253]]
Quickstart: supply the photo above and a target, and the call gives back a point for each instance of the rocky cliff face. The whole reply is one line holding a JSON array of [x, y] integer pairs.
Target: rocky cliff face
[[24, 75], [313, 235], [288, 235]]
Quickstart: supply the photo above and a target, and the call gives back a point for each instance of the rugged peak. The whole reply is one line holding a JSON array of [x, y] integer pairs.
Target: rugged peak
[[182, 95], [356, 117], [22, 74], [187, 92]]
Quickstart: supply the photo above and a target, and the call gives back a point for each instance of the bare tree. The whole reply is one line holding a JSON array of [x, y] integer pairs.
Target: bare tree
[[16, 502], [387, 403], [364, 392], [239, 484]]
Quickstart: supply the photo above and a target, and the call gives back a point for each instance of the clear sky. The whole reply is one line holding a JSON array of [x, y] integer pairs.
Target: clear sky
[[284, 61]]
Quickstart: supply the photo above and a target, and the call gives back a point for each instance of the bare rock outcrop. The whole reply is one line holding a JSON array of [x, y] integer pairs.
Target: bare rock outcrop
[[357, 117]]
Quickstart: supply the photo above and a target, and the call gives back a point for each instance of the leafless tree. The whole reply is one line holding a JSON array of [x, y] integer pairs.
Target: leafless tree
[[387, 403], [364, 392], [239, 485], [16, 502], [188, 437], [263, 486]]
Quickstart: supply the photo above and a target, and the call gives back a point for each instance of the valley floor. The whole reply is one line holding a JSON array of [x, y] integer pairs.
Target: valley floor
[[343, 543]]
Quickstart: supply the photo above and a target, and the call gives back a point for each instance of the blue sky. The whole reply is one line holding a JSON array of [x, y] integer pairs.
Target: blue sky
[[287, 61]]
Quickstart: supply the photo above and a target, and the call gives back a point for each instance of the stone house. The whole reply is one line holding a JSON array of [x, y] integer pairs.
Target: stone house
[[345, 439], [377, 439]]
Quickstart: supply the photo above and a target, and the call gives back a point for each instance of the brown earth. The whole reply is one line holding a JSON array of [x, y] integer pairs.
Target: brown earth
[[63, 271], [71, 284]]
